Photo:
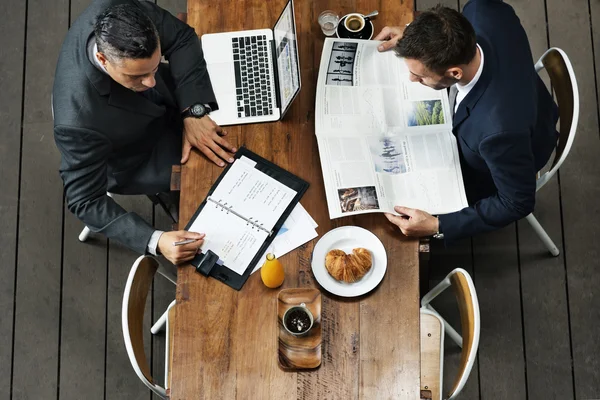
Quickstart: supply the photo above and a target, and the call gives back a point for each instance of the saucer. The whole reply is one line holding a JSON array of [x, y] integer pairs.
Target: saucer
[[365, 34], [347, 238]]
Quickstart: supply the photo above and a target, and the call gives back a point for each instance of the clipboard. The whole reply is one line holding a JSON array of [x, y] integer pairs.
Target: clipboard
[[206, 263]]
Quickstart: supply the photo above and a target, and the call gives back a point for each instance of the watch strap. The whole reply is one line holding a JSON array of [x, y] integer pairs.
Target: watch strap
[[186, 113]]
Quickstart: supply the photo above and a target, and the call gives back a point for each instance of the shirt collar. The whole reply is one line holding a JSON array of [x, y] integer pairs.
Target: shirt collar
[[467, 88]]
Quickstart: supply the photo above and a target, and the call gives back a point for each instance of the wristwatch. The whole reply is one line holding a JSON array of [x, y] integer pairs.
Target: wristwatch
[[438, 234], [197, 110]]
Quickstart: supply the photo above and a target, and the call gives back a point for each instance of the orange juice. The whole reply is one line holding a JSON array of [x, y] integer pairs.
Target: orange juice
[[272, 273]]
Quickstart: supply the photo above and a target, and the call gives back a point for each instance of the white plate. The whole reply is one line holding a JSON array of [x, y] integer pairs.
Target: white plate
[[347, 238]]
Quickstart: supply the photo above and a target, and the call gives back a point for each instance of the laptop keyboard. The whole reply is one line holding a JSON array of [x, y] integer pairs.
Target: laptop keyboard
[[252, 76]]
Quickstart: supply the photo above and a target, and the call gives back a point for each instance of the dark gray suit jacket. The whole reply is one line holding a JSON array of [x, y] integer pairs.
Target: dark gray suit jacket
[[106, 133]]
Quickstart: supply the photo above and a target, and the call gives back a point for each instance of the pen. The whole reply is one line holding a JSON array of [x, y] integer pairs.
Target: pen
[[184, 242]]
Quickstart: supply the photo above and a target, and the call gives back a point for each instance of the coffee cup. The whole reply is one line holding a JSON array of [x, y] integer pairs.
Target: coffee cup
[[355, 26], [355, 22], [298, 320]]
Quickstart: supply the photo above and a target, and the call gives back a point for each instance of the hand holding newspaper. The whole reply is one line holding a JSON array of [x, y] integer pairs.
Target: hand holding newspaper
[[383, 140]]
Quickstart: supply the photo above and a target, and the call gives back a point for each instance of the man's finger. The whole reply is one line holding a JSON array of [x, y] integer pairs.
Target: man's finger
[[385, 46], [187, 148], [384, 34], [192, 235], [396, 220], [218, 129], [183, 259], [191, 247], [218, 150], [390, 217], [212, 156], [411, 212], [225, 144]]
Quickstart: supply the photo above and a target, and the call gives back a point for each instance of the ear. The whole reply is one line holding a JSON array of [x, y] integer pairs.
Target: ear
[[455, 73], [102, 59]]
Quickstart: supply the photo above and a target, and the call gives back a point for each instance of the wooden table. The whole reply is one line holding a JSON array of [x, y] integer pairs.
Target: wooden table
[[225, 344]]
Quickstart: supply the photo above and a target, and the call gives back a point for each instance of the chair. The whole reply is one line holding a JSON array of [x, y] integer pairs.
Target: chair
[[434, 327], [562, 77], [137, 287]]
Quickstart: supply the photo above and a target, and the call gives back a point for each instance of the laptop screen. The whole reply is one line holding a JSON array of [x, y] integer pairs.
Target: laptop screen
[[288, 64]]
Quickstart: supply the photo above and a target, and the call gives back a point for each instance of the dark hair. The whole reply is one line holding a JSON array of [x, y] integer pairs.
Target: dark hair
[[439, 38], [124, 31]]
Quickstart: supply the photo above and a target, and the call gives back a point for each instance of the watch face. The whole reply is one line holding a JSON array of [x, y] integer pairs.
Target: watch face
[[198, 110]]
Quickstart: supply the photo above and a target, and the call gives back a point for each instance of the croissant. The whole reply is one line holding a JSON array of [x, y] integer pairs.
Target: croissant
[[348, 267]]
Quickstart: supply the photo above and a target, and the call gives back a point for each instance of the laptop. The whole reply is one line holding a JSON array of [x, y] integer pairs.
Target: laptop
[[255, 74]]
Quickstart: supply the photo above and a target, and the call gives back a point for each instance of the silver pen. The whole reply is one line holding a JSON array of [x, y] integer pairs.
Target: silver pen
[[187, 241]]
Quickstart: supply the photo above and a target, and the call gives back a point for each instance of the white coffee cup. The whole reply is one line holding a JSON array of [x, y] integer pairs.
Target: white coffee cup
[[355, 22]]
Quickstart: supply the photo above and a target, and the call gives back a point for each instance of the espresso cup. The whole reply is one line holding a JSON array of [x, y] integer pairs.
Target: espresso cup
[[298, 320], [355, 22]]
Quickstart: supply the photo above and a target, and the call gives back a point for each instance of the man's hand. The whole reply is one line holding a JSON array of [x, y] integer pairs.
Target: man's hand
[[391, 35], [179, 254], [205, 135], [414, 222]]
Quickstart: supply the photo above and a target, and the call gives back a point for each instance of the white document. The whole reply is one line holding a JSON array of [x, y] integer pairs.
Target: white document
[[297, 229], [240, 214], [253, 194], [383, 140]]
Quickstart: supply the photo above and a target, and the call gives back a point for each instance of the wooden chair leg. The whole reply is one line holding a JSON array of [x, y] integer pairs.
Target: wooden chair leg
[[424, 256], [175, 178], [175, 185]]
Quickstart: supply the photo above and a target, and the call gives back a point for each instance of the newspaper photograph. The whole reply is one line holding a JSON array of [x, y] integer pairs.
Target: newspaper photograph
[[383, 140]]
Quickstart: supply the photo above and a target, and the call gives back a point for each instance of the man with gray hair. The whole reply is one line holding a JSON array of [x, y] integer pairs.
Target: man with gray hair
[[122, 117]]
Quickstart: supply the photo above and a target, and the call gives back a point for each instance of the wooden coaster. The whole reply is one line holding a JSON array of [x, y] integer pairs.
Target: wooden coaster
[[302, 352]]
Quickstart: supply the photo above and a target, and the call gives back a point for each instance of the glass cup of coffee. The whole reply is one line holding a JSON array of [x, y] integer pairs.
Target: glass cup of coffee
[[355, 22], [298, 320]]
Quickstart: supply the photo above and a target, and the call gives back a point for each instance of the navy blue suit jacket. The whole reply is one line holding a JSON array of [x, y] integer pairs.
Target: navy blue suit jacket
[[505, 126]]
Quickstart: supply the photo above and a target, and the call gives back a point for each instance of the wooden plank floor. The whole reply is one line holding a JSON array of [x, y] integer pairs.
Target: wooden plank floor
[[61, 325]]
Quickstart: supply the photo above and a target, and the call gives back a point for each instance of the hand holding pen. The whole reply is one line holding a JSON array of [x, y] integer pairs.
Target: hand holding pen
[[180, 246]]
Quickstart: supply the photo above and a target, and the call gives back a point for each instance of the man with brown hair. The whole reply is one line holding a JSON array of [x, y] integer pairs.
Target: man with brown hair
[[504, 118]]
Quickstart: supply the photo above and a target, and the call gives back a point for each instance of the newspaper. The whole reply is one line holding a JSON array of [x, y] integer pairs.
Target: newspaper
[[383, 140]]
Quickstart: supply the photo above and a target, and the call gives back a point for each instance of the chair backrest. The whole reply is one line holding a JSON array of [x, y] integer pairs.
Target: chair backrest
[[468, 306], [137, 288], [432, 345], [564, 84]]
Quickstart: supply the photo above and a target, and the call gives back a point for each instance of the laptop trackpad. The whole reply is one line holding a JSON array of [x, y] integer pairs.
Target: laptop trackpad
[[222, 77], [223, 82]]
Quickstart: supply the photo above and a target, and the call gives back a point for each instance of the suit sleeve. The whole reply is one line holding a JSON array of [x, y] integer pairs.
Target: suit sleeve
[[83, 170], [510, 160], [181, 47]]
